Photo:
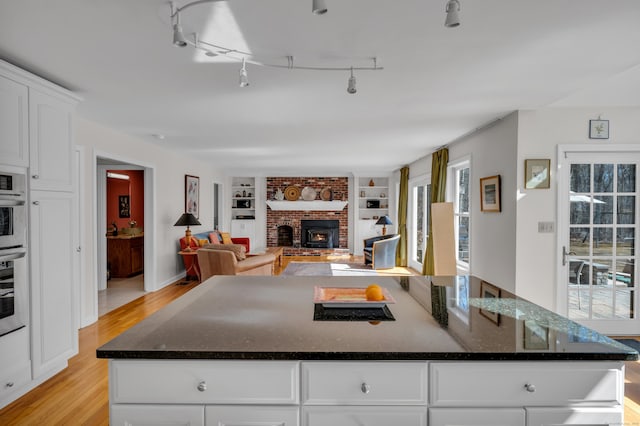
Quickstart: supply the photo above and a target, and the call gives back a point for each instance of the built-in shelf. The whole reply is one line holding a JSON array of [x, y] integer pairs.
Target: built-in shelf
[[317, 205]]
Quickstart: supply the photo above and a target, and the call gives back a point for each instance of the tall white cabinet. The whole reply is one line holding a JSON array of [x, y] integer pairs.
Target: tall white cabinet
[[36, 135]]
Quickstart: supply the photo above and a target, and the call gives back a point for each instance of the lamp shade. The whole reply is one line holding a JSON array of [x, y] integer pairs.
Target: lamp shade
[[187, 219], [384, 220]]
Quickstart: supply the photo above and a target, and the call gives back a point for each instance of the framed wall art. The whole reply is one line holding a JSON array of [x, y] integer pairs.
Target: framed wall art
[[489, 292], [598, 129], [537, 174], [192, 195], [124, 207], [490, 194]]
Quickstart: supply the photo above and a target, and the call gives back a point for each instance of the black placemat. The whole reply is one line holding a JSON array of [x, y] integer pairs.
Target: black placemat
[[320, 313]]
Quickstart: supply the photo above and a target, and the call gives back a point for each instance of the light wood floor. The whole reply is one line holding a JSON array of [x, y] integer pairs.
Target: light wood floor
[[79, 394]]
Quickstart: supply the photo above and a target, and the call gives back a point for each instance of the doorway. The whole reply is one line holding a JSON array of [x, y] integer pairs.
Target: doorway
[[122, 216], [598, 200]]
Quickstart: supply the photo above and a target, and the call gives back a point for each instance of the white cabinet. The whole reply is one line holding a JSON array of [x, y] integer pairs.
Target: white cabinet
[[165, 415], [15, 371], [217, 415], [476, 417], [369, 416], [50, 142], [575, 416], [14, 123], [53, 294], [243, 228]]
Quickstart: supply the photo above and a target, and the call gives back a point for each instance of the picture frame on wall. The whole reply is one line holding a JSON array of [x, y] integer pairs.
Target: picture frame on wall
[[124, 206], [490, 194], [537, 174], [598, 129], [192, 195], [488, 292]]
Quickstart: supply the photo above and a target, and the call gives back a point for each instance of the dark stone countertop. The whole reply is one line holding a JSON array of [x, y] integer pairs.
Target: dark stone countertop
[[435, 319]]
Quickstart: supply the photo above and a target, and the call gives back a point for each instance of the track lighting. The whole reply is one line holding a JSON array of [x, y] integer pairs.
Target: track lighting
[[318, 7], [178, 36], [351, 85], [452, 9], [244, 78]]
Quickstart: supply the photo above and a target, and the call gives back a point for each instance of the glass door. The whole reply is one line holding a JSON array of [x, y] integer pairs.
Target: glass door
[[599, 224], [420, 204]]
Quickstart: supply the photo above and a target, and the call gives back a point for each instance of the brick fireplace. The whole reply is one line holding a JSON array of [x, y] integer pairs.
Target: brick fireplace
[[284, 226]]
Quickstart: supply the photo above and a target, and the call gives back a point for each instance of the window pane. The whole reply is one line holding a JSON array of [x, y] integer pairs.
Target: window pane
[[599, 271], [580, 212], [624, 304], [625, 242], [463, 239], [463, 191], [579, 241], [603, 178], [626, 178], [603, 241], [625, 273], [626, 210], [580, 178], [603, 209], [421, 216]]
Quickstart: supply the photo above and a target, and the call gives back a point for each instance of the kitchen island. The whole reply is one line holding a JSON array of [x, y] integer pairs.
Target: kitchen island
[[245, 350]]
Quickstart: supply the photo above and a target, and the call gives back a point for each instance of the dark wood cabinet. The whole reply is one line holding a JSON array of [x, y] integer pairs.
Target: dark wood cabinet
[[125, 255]]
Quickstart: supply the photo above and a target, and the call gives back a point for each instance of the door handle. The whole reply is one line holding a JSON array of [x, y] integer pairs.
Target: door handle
[[566, 254]]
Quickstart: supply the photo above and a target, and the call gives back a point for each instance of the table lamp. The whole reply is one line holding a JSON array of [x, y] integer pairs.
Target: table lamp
[[187, 219], [384, 221]]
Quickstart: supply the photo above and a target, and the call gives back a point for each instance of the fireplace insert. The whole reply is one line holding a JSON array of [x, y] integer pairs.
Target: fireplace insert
[[320, 233]]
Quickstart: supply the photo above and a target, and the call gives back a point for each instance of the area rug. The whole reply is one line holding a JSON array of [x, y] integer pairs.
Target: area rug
[[324, 269], [632, 343]]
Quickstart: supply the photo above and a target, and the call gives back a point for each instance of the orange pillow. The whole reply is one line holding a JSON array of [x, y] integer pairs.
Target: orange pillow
[[213, 237], [203, 241], [226, 238]]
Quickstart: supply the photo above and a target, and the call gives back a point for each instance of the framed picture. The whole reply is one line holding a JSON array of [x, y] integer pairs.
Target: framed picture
[[124, 207], [490, 194], [536, 336], [489, 292], [536, 174], [192, 195], [598, 129]]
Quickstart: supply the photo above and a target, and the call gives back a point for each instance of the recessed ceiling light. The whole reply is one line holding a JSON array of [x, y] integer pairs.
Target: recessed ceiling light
[[159, 136]]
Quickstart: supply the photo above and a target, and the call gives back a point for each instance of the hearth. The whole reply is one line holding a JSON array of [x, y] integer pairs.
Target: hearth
[[320, 233]]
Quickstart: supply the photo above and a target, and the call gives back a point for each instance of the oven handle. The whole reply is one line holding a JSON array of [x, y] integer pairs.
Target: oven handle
[[12, 254], [4, 202]]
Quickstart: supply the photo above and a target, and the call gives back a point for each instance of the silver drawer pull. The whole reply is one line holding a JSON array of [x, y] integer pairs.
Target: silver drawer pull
[[365, 388], [202, 386], [530, 388], [35, 177], [9, 385]]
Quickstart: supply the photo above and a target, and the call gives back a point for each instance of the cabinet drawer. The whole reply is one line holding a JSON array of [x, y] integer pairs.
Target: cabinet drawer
[[364, 383], [251, 416], [237, 382], [526, 384], [165, 415], [13, 380], [476, 417], [370, 416], [574, 416]]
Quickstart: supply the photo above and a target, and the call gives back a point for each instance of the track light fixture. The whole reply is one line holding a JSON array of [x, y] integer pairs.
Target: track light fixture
[[452, 9], [351, 85], [286, 61], [318, 7], [244, 78]]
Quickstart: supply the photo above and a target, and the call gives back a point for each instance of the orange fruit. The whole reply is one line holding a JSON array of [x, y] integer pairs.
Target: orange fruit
[[374, 293]]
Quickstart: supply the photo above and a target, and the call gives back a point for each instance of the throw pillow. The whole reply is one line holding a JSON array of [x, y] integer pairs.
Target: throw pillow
[[238, 249], [203, 242], [214, 237], [226, 238]]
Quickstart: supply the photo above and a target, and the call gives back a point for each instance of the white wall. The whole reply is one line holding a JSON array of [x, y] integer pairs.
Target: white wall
[[170, 168], [539, 133]]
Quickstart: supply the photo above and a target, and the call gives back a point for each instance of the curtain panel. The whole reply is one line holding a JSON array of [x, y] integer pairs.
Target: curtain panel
[[439, 161], [401, 253]]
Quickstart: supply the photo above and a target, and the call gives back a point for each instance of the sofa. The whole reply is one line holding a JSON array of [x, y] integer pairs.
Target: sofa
[[230, 259], [191, 264], [380, 251]]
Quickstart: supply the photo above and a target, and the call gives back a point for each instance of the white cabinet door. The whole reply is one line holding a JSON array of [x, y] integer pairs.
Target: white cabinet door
[[243, 228], [165, 415], [251, 415], [369, 416], [575, 416], [13, 123], [476, 417], [50, 142], [53, 294]]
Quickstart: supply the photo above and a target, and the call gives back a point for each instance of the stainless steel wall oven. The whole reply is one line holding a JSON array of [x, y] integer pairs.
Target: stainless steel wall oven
[[13, 235]]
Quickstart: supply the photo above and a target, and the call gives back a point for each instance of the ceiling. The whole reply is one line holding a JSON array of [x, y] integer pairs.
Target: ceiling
[[437, 84]]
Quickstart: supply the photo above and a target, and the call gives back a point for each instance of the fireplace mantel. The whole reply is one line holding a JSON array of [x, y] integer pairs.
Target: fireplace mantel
[[316, 205]]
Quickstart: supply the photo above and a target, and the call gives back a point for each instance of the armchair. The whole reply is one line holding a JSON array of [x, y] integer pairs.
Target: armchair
[[380, 251]]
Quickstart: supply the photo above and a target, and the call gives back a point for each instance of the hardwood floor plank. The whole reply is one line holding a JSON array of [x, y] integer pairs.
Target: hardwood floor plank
[[79, 395]]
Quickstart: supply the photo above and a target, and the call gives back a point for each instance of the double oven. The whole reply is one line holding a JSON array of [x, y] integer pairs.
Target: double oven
[[13, 249]]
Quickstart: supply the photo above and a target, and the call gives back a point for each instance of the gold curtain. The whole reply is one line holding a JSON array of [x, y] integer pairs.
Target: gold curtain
[[439, 161], [401, 254]]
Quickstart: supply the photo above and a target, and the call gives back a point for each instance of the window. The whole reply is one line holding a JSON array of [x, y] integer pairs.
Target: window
[[459, 177], [420, 203]]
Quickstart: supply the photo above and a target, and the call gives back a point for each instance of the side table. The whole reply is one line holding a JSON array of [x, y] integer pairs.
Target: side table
[[190, 259]]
